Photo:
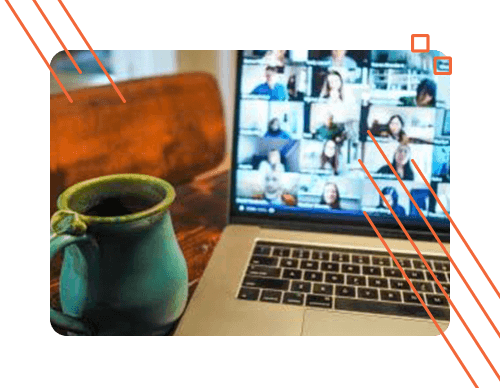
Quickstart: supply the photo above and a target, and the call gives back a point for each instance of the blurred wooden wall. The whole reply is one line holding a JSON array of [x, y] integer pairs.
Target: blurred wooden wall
[[171, 127]]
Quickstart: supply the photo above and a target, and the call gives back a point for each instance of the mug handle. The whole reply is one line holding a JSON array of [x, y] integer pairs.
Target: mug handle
[[88, 247]]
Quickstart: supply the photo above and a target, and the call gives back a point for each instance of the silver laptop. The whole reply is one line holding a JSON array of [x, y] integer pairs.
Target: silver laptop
[[298, 256]]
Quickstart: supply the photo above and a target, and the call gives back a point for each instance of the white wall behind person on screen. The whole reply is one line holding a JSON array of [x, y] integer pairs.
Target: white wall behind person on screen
[[291, 116], [253, 116]]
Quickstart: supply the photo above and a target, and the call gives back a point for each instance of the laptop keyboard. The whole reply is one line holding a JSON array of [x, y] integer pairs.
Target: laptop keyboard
[[341, 279]]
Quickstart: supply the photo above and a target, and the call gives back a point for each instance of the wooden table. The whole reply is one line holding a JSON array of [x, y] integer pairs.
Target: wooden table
[[199, 216]]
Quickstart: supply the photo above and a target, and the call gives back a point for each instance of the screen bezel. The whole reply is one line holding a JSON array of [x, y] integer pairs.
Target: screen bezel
[[354, 225]]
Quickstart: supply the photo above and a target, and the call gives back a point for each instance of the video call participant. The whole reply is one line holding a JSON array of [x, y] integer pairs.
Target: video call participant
[[331, 196], [344, 64], [426, 95], [401, 163], [274, 130], [391, 195], [393, 129], [273, 190], [273, 162], [271, 87], [333, 87], [329, 159], [329, 130], [293, 93]]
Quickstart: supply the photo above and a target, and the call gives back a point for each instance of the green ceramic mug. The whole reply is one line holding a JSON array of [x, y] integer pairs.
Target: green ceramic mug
[[123, 272]]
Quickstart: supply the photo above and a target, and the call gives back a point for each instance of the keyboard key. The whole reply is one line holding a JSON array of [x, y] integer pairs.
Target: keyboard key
[[415, 274], [249, 294], [401, 309], [405, 263], [358, 259], [271, 296], [410, 297], [282, 252], [436, 300], [356, 280], [319, 301], [276, 284], [340, 257], [331, 267], [326, 289], [292, 274], [385, 261], [293, 298], [378, 282], [367, 293], [264, 271], [336, 278], [306, 264], [418, 264], [262, 260], [301, 254], [301, 286], [313, 276], [350, 268], [374, 271], [306, 254], [446, 287], [393, 273], [262, 250], [289, 263], [423, 286], [345, 291], [393, 296], [441, 276], [317, 255], [400, 284], [442, 266]]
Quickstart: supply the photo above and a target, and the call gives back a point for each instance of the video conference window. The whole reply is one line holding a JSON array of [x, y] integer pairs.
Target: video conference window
[[303, 122]]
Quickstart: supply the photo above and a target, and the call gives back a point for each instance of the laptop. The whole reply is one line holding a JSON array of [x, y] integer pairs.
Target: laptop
[[298, 257]]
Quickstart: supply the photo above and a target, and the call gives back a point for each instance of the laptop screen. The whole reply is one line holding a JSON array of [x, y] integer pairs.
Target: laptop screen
[[301, 125]]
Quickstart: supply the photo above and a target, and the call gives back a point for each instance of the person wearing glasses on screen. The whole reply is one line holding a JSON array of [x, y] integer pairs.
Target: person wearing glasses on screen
[[426, 95], [331, 196], [271, 87], [392, 197], [401, 163]]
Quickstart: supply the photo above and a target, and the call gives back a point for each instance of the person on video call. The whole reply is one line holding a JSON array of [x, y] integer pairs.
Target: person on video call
[[273, 190], [344, 64], [394, 129], [329, 130], [274, 130], [426, 95], [331, 196], [401, 163], [329, 159], [293, 93], [271, 87], [333, 87], [392, 197], [275, 58], [273, 162]]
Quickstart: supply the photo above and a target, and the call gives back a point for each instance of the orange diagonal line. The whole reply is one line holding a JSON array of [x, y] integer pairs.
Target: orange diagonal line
[[456, 228], [419, 298], [57, 36], [436, 236], [429, 268], [39, 52], [92, 51]]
